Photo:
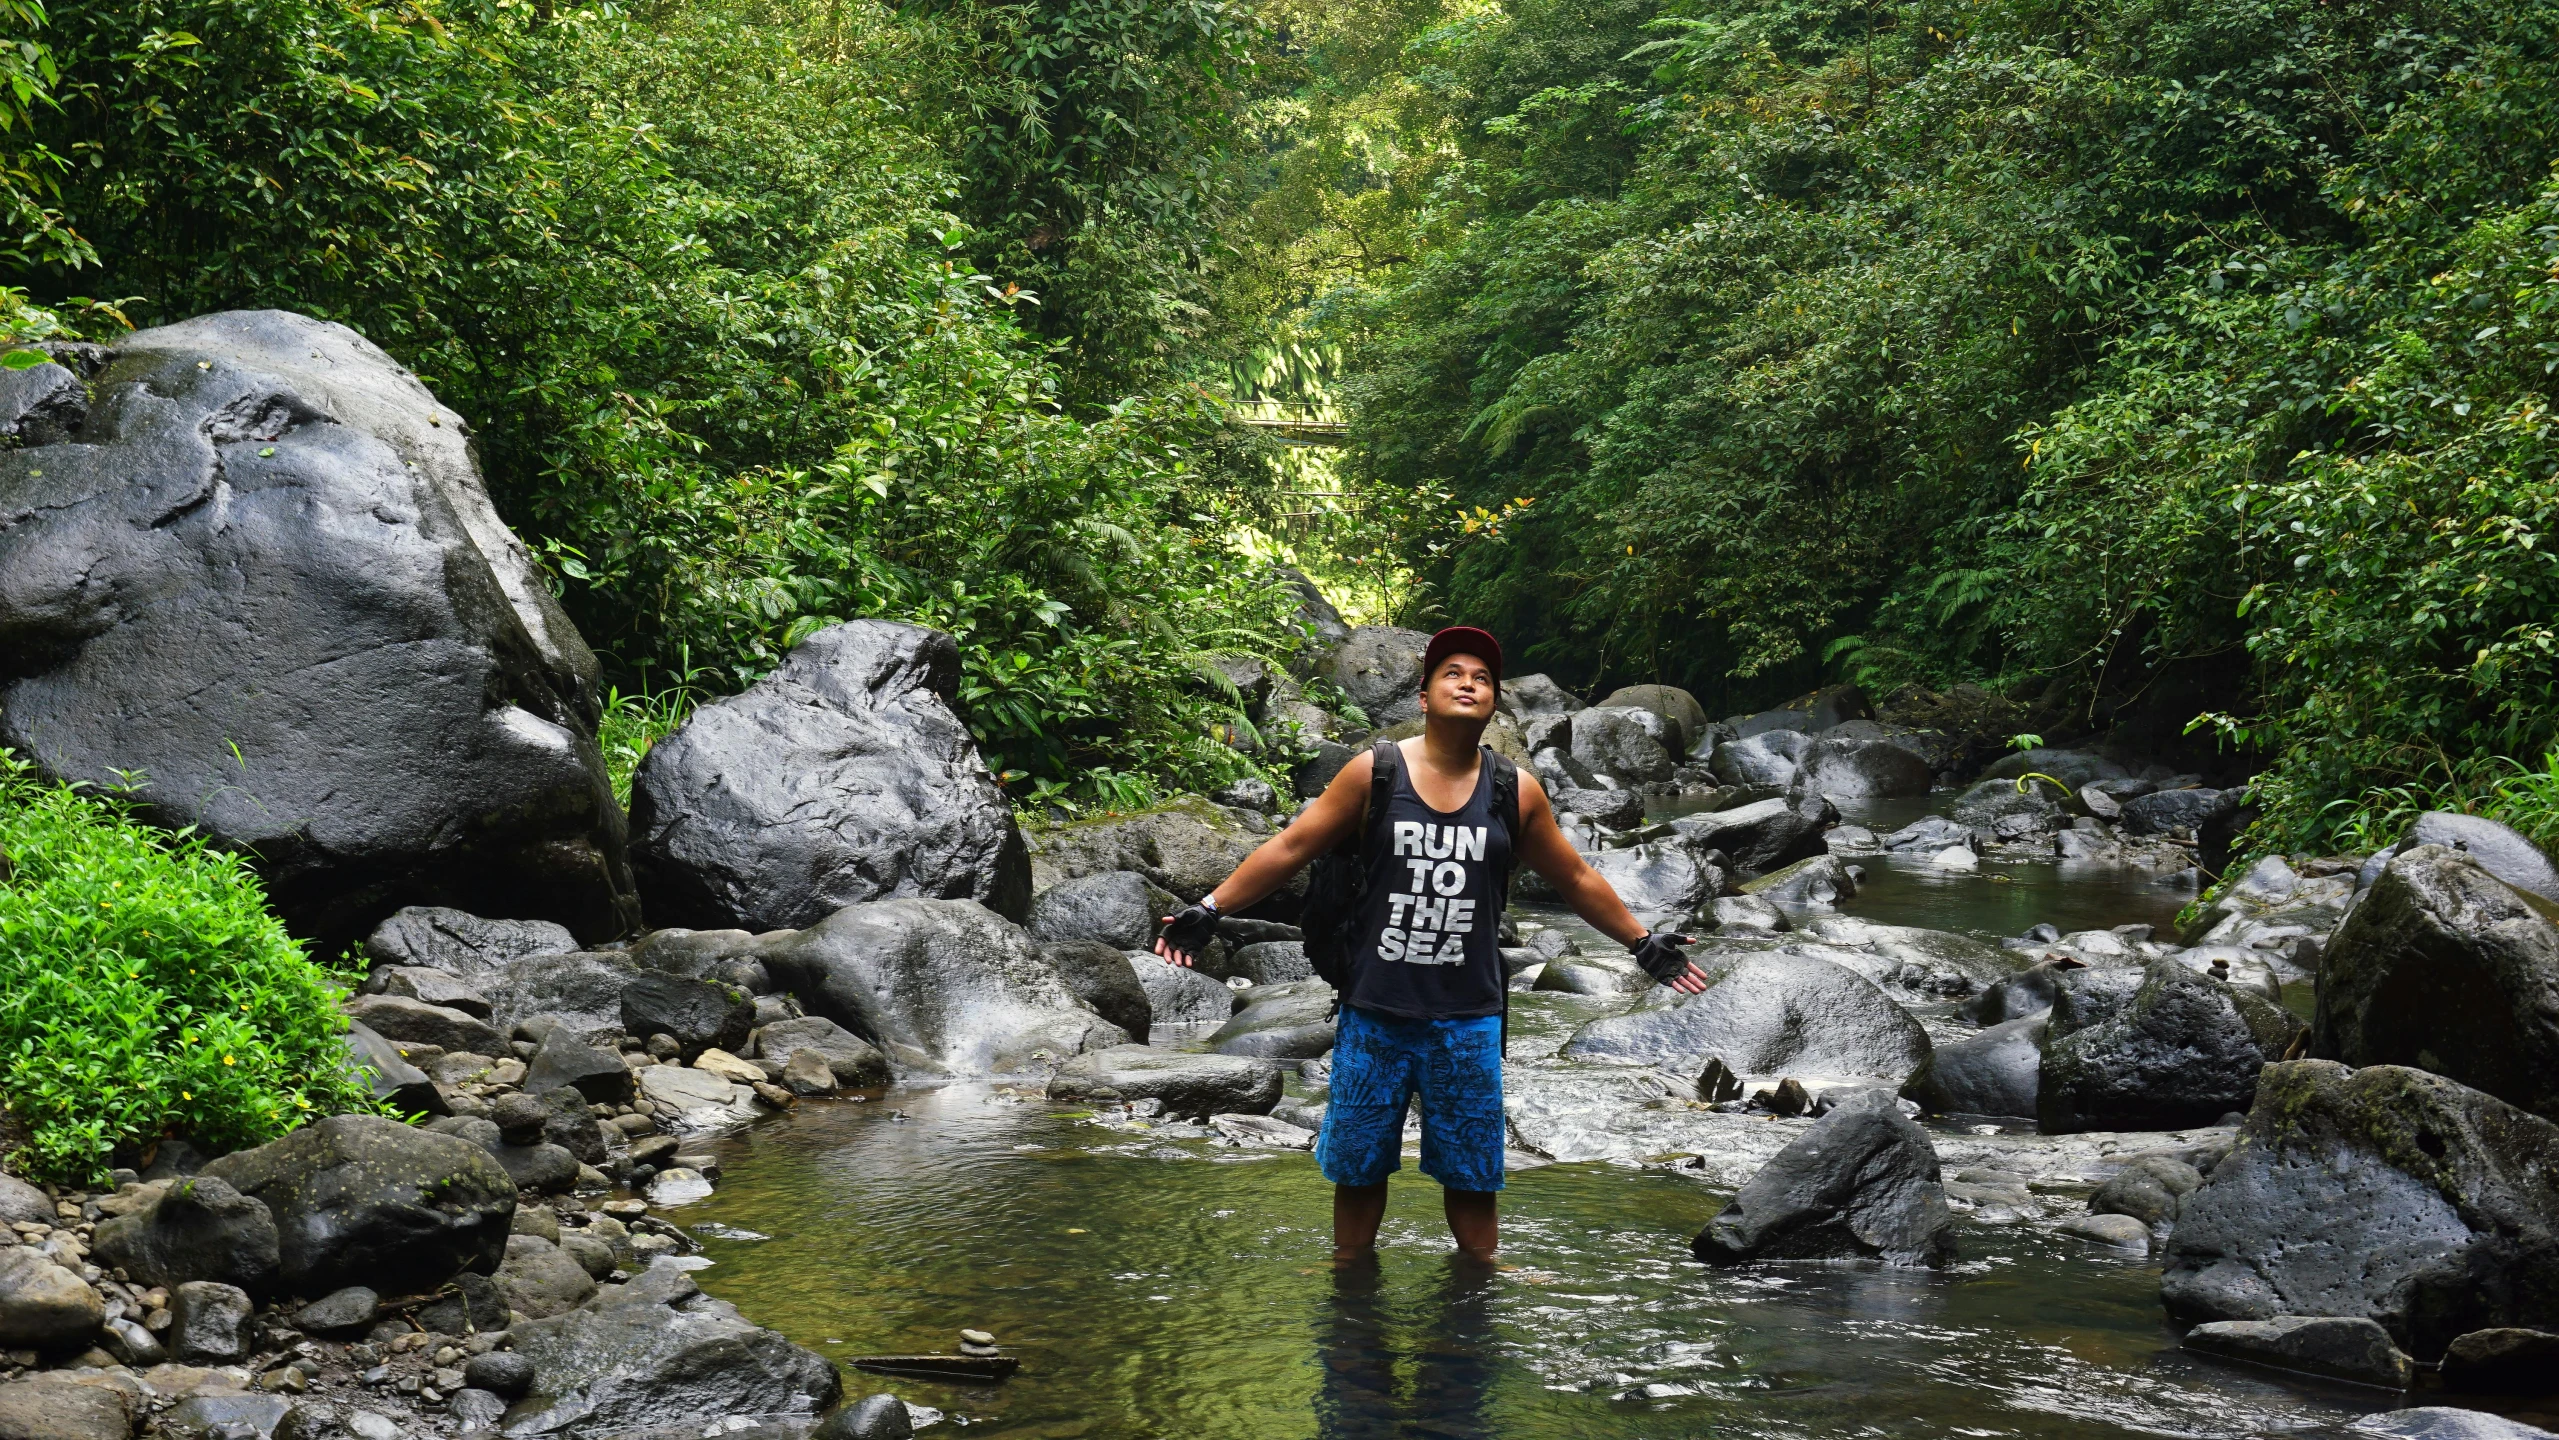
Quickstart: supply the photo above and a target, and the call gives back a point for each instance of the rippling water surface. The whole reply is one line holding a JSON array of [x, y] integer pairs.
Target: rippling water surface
[[1160, 1284]]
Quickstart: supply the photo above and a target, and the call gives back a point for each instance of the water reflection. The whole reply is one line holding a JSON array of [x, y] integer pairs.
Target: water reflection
[[1428, 1372]]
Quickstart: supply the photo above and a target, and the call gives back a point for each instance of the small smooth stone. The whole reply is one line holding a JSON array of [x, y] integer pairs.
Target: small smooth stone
[[2121, 1231], [977, 1337], [678, 1185]]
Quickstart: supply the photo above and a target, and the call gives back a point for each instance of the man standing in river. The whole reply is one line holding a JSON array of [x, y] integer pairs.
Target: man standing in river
[[1421, 1014]]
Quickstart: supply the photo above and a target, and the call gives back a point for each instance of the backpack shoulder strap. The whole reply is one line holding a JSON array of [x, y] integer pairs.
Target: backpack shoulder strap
[[1505, 789], [1386, 761]]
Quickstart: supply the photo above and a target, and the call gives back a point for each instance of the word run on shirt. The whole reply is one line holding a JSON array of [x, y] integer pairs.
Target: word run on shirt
[[1428, 923]]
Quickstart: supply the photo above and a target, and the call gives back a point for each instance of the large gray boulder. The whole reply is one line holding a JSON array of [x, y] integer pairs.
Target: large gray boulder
[[943, 987], [1771, 757], [385, 1069], [2184, 1050], [1181, 995], [43, 1306], [401, 1020], [1663, 881], [700, 1014], [2336, 1346], [2384, 1192], [459, 943], [581, 991], [842, 777], [1188, 1085], [1677, 708], [1380, 668], [265, 577], [2162, 811], [852, 1060], [658, 1352], [1626, 743], [2500, 851], [1861, 769], [359, 1199], [2447, 968], [1102, 978], [1280, 1022], [1118, 908], [1527, 695], [1995, 1072], [1766, 1014], [1861, 1184], [200, 1228], [1764, 835], [1186, 846]]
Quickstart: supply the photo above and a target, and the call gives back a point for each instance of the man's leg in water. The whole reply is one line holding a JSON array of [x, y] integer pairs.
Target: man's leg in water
[[1474, 1217], [1357, 1212]]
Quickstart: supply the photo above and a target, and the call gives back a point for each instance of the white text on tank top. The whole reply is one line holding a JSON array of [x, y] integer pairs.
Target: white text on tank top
[[1428, 920]]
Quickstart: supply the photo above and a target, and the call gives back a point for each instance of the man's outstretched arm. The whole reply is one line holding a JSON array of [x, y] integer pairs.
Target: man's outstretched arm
[[1542, 844], [1318, 828]]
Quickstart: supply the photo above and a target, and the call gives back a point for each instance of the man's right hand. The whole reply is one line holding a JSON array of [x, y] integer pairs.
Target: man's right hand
[[1186, 933]]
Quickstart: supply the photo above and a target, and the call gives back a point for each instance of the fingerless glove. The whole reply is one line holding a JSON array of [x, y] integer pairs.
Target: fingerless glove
[[1191, 928], [1659, 955]]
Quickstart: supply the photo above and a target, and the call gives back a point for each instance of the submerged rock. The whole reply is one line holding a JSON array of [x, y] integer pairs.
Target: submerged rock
[[943, 987], [1861, 1184], [2340, 1347], [2385, 1193], [1188, 1085], [260, 504], [2448, 969], [840, 778]]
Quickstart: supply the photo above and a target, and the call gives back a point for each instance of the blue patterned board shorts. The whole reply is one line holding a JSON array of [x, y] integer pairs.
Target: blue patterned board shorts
[[1380, 1062]]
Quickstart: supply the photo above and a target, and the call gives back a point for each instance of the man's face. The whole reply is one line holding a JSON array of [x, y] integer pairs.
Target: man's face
[[1460, 689]]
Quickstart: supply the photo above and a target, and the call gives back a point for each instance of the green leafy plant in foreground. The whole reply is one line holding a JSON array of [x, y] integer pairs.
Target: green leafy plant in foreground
[[145, 991]]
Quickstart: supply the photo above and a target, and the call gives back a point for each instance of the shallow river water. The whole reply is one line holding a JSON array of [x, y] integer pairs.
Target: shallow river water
[[1161, 1284]]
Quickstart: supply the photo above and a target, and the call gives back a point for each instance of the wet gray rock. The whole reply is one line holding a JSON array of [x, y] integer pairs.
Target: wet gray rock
[[402, 1020], [210, 1324], [807, 1073], [1628, 744], [1859, 769], [43, 1306], [542, 1168], [655, 1352], [700, 1014], [2500, 851], [1272, 962], [943, 987], [2123, 1232], [2446, 968], [570, 1125], [1663, 881], [1188, 1085], [1765, 1014], [843, 777], [1118, 908], [433, 987], [1186, 846], [1616, 809], [388, 1073], [2162, 811], [1181, 995], [873, 1417], [1748, 915], [1280, 1022], [263, 504], [1819, 882], [1527, 695], [1995, 1072], [199, 1229], [2445, 1422], [359, 1199], [339, 1311], [1380, 668], [1928, 834], [1999, 807], [503, 1373], [2075, 768], [226, 1417], [1102, 978], [2149, 1188], [1820, 710], [2184, 1050], [20, 1201], [1677, 709], [581, 991], [2506, 1361], [2385, 1193], [41, 405], [460, 943], [1862, 1183], [475, 1410], [1764, 835], [471, 1302], [2341, 1347], [856, 1062], [562, 1061], [538, 1278], [1769, 758]]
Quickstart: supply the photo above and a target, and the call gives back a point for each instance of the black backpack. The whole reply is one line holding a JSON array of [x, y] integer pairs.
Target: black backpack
[[1338, 880]]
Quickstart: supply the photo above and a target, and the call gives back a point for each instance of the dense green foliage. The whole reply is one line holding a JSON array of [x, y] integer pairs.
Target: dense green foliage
[[2140, 356], [145, 991], [695, 274]]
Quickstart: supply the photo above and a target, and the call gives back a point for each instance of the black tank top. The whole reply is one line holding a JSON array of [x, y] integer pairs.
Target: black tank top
[[1432, 910]]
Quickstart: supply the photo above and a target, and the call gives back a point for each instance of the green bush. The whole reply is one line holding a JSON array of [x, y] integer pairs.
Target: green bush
[[146, 992]]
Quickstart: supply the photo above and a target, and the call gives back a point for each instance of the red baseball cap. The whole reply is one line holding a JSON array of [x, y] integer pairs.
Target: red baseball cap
[[1463, 640]]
